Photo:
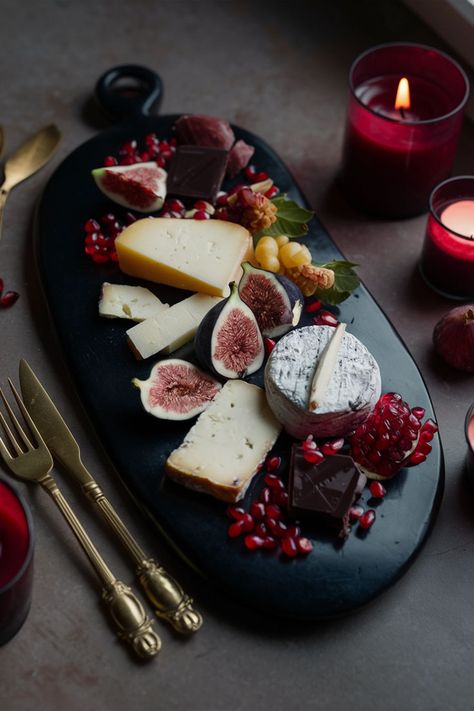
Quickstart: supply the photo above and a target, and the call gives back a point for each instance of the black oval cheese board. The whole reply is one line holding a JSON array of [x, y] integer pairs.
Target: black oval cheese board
[[336, 577]]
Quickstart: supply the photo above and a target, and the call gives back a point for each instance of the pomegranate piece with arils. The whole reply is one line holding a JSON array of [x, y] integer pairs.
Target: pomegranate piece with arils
[[391, 437]]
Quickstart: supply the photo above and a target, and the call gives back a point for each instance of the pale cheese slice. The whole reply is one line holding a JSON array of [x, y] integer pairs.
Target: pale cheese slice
[[221, 453], [131, 302], [197, 255], [172, 328]]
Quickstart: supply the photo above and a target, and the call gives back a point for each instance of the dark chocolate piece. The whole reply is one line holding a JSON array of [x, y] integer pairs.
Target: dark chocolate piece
[[325, 492], [197, 172]]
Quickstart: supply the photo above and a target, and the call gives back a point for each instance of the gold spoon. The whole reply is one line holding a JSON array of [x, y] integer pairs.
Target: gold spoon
[[1, 140], [32, 155]]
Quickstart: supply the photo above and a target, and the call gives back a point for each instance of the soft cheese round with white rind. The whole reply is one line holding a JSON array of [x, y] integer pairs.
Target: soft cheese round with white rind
[[351, 394]]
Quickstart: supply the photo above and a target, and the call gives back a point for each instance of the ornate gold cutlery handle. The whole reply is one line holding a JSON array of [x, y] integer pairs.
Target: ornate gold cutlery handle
[[166, 595], [132, 624], [3, 199]]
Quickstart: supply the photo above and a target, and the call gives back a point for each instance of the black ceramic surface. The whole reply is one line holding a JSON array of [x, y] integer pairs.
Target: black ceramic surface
[[335, 578]]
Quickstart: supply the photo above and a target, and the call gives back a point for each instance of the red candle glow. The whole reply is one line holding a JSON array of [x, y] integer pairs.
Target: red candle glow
[[404, 118], [16, 552], [447, 260]]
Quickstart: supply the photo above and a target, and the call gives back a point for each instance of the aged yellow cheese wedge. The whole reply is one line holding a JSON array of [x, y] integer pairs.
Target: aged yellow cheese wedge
[[198, 255]]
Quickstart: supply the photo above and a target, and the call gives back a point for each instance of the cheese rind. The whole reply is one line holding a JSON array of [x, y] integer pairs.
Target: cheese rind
[[135, 303], [221, 453], [351, 393], [170, 329], [197, 255]]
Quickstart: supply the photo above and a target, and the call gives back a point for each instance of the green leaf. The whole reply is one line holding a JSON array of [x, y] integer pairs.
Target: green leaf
[[346, 281], [291, 219]]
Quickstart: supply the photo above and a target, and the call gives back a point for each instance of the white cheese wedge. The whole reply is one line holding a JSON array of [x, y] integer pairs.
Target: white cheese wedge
[[171, 328], [351, 392], [131, 302], [197, 255], [221, 453]]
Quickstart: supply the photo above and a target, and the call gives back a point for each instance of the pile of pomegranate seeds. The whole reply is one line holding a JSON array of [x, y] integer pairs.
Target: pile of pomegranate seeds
[[99, 241], [8, 298], [267, 526], [152, 149]]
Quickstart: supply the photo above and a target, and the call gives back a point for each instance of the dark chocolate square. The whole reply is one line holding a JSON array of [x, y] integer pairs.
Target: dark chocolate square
[[197, 172], [324, 492]]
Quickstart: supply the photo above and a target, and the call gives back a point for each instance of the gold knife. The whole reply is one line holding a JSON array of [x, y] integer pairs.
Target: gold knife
[[2, 140], [32, 155], [169, 600]]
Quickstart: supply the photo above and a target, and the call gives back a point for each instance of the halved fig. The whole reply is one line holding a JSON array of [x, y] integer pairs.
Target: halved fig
[[228, 341], [275, 300], [140, 187], [176, 390]]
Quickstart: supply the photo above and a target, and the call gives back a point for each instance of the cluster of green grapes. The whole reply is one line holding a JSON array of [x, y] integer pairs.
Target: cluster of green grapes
[[277, 254]]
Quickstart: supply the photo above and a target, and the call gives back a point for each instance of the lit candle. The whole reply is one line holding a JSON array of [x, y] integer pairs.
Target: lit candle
[[16, 554], [404, 118], [447, 260]]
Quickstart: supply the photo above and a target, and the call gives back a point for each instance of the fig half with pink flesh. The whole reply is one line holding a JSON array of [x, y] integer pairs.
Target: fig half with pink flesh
[[228, 341], [140, 187], [176, 390], [275, 300]]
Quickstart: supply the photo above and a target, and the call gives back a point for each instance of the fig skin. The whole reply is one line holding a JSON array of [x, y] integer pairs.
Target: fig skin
[[453, 338], [204, 339], [209, 386], [294, 297]]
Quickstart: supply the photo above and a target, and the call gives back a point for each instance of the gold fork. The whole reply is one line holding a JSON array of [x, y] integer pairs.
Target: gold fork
[[30, 459]]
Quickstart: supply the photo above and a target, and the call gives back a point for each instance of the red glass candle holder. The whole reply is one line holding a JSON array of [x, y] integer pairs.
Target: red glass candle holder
[[16, 560], [392, 159], [447, 259]]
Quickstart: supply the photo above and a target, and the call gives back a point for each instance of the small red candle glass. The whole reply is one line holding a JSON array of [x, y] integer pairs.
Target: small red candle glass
[[393, 157], [469, 430], [447, 259], [16, 561]]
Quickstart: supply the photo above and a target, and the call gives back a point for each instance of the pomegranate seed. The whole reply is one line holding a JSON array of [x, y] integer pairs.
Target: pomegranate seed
[[355, 512], [259, 177], [160, 162], [416, 458], [175, 206], [430, 426], [235, 529], [419, 412], [367, 520], [293, 531], [253, 542], [107, 219], [276, 527], [222, 200], [247, 522], [163, 145], [274, 482], [129, 147], [312, 307], [110, 161], [332, 447], [203, 205], [273, 463], [309, 445], [100, 258], [236, 189], [304, 545], [271, 192], [269, 543], [274, 511], [281, 498], [201, 215], [325, 318], [257, 510], [289, 547], [8, 299], [151, 138], [91, 226], [269, 344], [424, 448], [265, 495], [377, 490], [261, 530], [144, 156], [314, 457], [426, 436], [113, 256], [250, 171], [128, 160], [236, 513]]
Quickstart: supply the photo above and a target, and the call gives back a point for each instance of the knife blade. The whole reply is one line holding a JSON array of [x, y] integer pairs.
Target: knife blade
[[168, 598]]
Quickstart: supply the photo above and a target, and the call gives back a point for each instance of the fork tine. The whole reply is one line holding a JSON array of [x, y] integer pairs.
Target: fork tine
[[10, 436], [26, 415], [7, 457], [20, 431]]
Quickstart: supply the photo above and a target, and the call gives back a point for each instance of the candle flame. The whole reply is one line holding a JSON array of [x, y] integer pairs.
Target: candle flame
[[403, 95]]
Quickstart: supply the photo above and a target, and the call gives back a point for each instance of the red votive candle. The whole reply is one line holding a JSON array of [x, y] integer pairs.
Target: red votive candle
[[447, 259], [398, 147], [469, 429], [16, 561]]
